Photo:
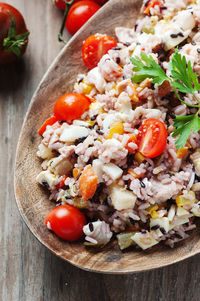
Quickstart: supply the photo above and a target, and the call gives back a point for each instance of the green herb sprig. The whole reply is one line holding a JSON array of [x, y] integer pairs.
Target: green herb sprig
[[183, 80]]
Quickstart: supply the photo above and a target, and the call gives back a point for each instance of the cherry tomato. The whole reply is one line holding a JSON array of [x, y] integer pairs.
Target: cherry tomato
[[11, 44], [71, 106], [49, 121], [66, 222], [152, 138], [95, 47], [61, 4], [100, 2], [79, 13]]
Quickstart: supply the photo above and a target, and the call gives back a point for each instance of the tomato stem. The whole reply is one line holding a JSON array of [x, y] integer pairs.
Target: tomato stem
[[68, 6]]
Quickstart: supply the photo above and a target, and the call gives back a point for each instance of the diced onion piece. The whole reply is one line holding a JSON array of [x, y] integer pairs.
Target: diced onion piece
[[98, 168], [73, 132], [162, 222], [181, 211], [46, 178], [143, 240], [121, 198]]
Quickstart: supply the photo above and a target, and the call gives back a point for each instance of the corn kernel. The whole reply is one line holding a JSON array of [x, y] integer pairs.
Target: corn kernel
[[152, 208], [87, 88], [76, 172], [116, 128], [154, 214], [182, 200], [139, 157]]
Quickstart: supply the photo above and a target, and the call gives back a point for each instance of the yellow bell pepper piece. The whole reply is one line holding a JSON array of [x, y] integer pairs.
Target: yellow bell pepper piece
[[116, 128], [182, 200]]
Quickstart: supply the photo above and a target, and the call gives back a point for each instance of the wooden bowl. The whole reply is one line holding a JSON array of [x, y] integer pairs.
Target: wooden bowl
[[32, 199]]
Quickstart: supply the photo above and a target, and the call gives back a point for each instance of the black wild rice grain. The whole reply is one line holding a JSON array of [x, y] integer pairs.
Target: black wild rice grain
[[116, 48], [80, 80], [132, 221], [163, 230], [163, 7], [193, 43], [118, 60], [155, 227], [61, 121], [178, 235], [79, 140], [142, 183], [127, 44], [99, 132], [143, 231], [45, 184], [198, 50], [141, 201], [94, 117], [180, 34], [91, 227]]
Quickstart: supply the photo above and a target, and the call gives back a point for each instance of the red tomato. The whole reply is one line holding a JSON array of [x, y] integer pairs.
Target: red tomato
[[11, 46], [61, 183], [100, 2], [61, 4], [49, 121], [95, 47], [79, 13], [152, 138], [66, 222], [71, 106]]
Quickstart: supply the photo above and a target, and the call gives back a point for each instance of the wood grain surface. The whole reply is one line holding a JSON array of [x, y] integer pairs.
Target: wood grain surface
[[28, 271]]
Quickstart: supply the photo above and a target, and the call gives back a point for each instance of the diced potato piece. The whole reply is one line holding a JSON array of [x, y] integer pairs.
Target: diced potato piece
[[182, 200], [113, 171], [73, 132], [46, 178], [98, 168], [124, 240], [143, 240], [181, 211], [121, 198], [163, 222], [44, 152]]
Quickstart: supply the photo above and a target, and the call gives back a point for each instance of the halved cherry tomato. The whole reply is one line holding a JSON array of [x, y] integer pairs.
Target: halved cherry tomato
[[49, 121], [66, 222], [71, 106], [79, 13], [152, 138], [95, 47]]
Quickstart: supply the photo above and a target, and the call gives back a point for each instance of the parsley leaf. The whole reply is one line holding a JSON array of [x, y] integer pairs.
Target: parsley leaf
[[184, 126], [184, 79], [149, 70]]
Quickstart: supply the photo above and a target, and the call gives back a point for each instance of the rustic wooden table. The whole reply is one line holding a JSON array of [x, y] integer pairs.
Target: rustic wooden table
[[28, 271]]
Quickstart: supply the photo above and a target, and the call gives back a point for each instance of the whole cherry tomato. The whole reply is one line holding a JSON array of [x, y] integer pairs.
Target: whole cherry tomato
[[79, 13], [95, 47], [13, 34], [61, 4], [152, 138], [66, 222], [71, 106]]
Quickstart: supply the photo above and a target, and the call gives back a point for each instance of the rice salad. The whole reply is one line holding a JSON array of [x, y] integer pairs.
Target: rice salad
[[138, 197]]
